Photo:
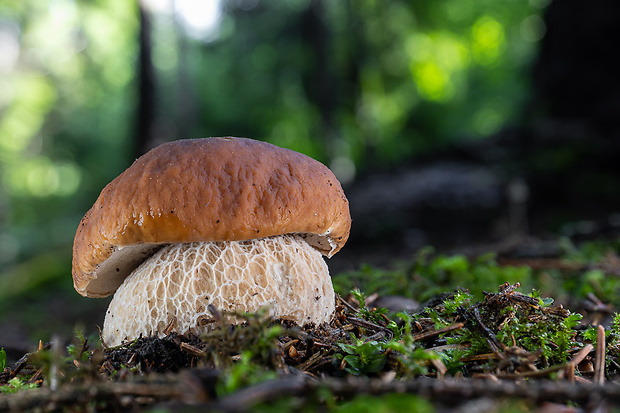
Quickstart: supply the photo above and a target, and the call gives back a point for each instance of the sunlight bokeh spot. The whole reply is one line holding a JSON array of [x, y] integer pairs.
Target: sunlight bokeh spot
[[118, 74], [9, 44], [69, 177], [200, 18], [17, 130], [40, 177], [444, 48], [432, 82], [387, 109], [533, 28], [451, 52], [63, 11], [488, 40], [487, 121], [344, 169], [437, 60]]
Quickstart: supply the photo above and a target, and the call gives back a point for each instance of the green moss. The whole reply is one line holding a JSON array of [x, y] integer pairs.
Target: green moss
[[16, 384], [387, 403], [428, 276]]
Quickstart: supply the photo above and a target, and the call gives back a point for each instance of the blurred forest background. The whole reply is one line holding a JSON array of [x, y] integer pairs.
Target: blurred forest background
[[450, 123]]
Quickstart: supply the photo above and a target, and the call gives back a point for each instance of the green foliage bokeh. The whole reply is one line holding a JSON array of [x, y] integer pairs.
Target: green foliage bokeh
[[355, 84]]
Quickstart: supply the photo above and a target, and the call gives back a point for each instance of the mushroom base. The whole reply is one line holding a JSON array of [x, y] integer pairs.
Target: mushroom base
[[177, 284]]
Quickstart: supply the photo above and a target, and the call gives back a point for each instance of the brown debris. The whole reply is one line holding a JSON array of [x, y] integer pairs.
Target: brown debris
[[305, 356]]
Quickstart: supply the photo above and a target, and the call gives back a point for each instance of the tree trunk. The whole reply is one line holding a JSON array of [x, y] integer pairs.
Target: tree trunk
[[146, 87]]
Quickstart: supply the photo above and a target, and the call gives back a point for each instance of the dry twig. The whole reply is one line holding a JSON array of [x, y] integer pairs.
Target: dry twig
[[599, 367]]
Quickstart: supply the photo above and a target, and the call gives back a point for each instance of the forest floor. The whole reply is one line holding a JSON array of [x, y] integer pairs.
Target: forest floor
[[411, 342]]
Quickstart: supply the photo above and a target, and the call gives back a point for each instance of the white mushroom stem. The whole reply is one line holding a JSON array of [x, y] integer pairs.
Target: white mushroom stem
[[282, 273]]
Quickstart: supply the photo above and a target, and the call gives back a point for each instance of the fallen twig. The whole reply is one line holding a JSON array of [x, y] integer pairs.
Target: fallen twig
[[428, 334], [599, 366], [66, 396], [582, 354], [438, 390]]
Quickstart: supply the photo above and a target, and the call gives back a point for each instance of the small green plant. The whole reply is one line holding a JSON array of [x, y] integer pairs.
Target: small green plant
[[554, 336], [78, 350], [243, 373], [615, 323], [361, 357], [542, 301], [258, 337], [413, 359], [434, 315], [374, 315], [590, 334], [612, 338], [458, 302], [2, 359], [15, 385]]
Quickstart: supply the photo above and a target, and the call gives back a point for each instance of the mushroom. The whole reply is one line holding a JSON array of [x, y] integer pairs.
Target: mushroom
[[233, 222]]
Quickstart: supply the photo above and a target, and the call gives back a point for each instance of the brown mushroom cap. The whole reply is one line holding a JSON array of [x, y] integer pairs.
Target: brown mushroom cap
[[212, 189]]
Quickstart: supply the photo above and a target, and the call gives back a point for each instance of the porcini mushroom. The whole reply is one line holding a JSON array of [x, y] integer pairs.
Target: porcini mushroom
[[233, 222]]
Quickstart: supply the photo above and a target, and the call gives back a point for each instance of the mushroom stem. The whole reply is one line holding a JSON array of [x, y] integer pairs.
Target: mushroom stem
[[180, 281]]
